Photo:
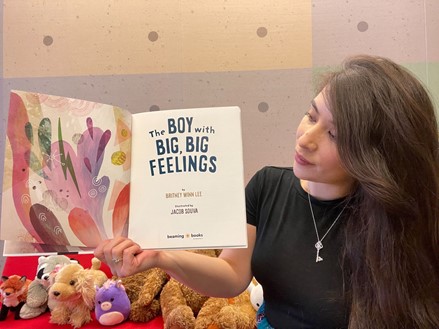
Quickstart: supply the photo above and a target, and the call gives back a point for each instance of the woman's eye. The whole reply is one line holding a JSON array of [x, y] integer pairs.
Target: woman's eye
[[332, 135], [310, 117]]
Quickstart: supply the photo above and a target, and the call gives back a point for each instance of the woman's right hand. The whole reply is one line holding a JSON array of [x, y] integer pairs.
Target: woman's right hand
[[125, 257]]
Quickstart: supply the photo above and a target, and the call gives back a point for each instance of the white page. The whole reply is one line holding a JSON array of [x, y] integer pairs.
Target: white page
[[174, 204]]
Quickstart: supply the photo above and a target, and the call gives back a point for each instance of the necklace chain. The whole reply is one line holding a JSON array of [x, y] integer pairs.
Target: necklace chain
[[319, 243]]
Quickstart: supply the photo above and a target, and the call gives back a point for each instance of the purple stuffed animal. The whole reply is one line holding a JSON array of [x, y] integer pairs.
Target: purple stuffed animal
[[112, 305]]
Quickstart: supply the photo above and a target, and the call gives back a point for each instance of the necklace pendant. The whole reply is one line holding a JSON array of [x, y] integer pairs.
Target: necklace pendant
[[318, 245]]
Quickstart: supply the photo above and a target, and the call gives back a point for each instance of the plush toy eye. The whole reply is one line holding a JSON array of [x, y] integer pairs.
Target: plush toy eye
[[112, 300], [99, 302], [72, 283]]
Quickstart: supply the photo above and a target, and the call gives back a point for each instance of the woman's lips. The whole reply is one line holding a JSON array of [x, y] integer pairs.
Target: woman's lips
[[301, 160]]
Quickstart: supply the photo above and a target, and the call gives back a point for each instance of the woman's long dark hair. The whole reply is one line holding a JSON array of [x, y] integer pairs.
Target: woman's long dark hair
[[387, 137]]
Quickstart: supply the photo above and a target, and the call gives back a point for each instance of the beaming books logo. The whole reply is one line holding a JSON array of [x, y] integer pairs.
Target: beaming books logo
[[185, 236]]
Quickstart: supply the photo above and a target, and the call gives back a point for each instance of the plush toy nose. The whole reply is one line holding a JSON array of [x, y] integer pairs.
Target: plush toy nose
[[105, 306], [56, 293]]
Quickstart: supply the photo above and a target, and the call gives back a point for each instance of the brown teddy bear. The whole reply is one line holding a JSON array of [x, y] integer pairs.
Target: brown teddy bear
[[180, 305], [143, 290], [227, 313]]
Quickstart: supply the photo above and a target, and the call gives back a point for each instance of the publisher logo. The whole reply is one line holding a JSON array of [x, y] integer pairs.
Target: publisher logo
[[193, 236]]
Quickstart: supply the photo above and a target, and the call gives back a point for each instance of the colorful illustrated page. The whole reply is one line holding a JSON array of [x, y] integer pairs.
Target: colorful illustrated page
[[66, 172]]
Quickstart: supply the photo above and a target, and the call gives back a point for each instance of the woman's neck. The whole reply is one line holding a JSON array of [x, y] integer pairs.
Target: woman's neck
[[323, 191]]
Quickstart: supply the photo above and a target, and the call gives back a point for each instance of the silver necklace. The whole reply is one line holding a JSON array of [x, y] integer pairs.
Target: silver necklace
[[319, 243]]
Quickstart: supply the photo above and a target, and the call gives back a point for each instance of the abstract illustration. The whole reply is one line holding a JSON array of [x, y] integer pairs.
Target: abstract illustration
[[61, 160]]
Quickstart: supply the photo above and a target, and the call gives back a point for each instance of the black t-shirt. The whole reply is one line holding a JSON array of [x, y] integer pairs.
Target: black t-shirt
[[298, 291]]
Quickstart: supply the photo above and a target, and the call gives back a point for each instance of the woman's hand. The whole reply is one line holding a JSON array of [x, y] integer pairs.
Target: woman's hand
[[125, 257]]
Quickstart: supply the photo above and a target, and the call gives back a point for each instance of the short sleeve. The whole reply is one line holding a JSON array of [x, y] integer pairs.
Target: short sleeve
[[252, 197]]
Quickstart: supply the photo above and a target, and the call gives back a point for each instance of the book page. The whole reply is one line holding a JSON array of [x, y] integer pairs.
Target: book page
[[19, 248], [67, 171], [187, 180]]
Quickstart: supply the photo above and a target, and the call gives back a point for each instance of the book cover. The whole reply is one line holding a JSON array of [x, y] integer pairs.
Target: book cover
[[77, 172]]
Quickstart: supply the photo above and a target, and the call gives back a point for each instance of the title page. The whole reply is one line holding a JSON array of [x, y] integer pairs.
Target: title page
[[187, 182]]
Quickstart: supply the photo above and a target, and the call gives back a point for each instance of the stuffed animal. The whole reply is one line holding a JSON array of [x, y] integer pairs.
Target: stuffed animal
[[13, 295], [99, 276], [180, 304], [256, 294], [37, 295], [72, 295], [227, 313], [112, 305], [143, 290]]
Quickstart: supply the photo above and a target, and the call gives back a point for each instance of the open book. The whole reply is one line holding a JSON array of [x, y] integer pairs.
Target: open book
[[77, 172]]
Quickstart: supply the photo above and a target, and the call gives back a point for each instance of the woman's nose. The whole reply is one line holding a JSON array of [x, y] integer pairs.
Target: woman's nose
[[307, 141]]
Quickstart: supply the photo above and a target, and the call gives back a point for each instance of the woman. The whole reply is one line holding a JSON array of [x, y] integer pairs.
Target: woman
[[349, 237]]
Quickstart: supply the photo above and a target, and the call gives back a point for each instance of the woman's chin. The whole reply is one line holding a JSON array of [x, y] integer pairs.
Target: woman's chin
[[300, 172]]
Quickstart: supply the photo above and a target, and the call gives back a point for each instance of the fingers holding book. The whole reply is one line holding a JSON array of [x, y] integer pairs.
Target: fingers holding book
[[120, 255]]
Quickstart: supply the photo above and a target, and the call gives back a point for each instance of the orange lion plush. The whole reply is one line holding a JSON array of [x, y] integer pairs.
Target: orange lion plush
[[13, 295]]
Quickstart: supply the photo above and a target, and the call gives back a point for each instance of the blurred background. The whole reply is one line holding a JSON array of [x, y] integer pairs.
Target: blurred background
[[262, 56]]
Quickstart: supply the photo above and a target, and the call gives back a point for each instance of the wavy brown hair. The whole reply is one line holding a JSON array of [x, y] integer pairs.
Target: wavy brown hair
[[387, 137]]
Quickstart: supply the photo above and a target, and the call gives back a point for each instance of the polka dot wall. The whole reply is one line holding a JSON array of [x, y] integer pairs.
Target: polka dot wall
[[260, 55]]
